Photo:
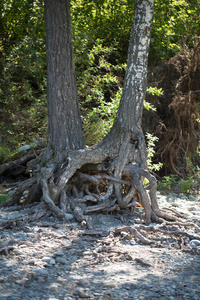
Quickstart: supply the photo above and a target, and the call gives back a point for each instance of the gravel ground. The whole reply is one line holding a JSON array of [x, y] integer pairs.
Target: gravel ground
[[54, 260]]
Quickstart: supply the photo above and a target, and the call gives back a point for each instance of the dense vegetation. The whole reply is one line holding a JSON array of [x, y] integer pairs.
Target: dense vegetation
[[101, 31]]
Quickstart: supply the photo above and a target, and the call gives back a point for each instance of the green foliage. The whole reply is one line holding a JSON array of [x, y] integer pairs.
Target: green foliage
[[4, 154], [176, 25], [101, 90], [108, 20], [188, 184], [99, 120], [151, 140], [168, 181], [3, 195], [98, 77], [152, 91], [23, 84], [155, 91], [192, 179]]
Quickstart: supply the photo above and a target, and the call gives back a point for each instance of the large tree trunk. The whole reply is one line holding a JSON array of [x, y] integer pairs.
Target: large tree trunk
[[64, 122]]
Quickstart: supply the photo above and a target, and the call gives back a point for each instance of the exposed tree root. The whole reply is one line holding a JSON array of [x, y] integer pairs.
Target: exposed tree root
[[105, 178], [138, 231], [176, 121], [134, 231]]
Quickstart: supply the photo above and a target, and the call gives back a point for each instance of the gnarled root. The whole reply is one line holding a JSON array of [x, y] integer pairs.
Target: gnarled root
[[100, 178], [140, 232]]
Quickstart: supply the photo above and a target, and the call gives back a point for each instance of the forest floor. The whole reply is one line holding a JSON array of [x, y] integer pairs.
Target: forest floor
[[54, 260]]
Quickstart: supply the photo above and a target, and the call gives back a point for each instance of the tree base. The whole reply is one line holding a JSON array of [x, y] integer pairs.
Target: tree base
[[105, 178]]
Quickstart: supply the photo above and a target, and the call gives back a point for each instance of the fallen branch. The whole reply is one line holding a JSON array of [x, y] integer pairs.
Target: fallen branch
[[18, 194], [134, 232]]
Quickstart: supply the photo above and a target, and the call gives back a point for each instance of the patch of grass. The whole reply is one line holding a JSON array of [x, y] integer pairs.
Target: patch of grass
[[3, 195]]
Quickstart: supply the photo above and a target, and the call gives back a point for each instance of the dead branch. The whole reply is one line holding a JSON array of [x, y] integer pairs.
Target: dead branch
[[18, 194], [18, 162], [134, 232]]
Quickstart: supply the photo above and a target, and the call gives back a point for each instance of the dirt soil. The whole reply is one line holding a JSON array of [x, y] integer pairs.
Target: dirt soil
[[55, 260]]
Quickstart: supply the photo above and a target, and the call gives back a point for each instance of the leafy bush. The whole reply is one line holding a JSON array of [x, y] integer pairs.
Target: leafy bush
[[168, 181], [187, 185], [150, 153], [23, 111], [175, 25]]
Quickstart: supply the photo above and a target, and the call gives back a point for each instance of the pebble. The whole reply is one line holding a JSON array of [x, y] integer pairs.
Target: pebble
[[192, 208], [46, 259], [80, 292], [63, 281], [69, 216], [61, 260], [52, 261], [84, 282], [191, 197], [59, 253], [54, 287], [42, 272], [194, 243]]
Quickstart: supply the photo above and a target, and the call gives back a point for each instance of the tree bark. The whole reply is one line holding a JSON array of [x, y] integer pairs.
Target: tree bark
[[64, 121], [134, 90], [130, 110]]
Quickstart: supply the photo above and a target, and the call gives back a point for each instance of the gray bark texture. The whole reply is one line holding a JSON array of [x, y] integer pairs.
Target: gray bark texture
[[64, 121]]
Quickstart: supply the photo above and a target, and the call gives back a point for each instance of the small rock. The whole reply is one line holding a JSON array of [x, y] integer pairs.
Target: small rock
[[87, 252], [22, 281], [192, 208], [81, 293], [194, 243], [32, 262], [63, 281], [54, 287], [191, 197], [41, 272], [111, 284], [24, 148], [46, 259], [182, 196], [84, 282], [13, 297], [59, 253], [10, 193], [175, 204], [69, 216], [52, 261], [61, 260]]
